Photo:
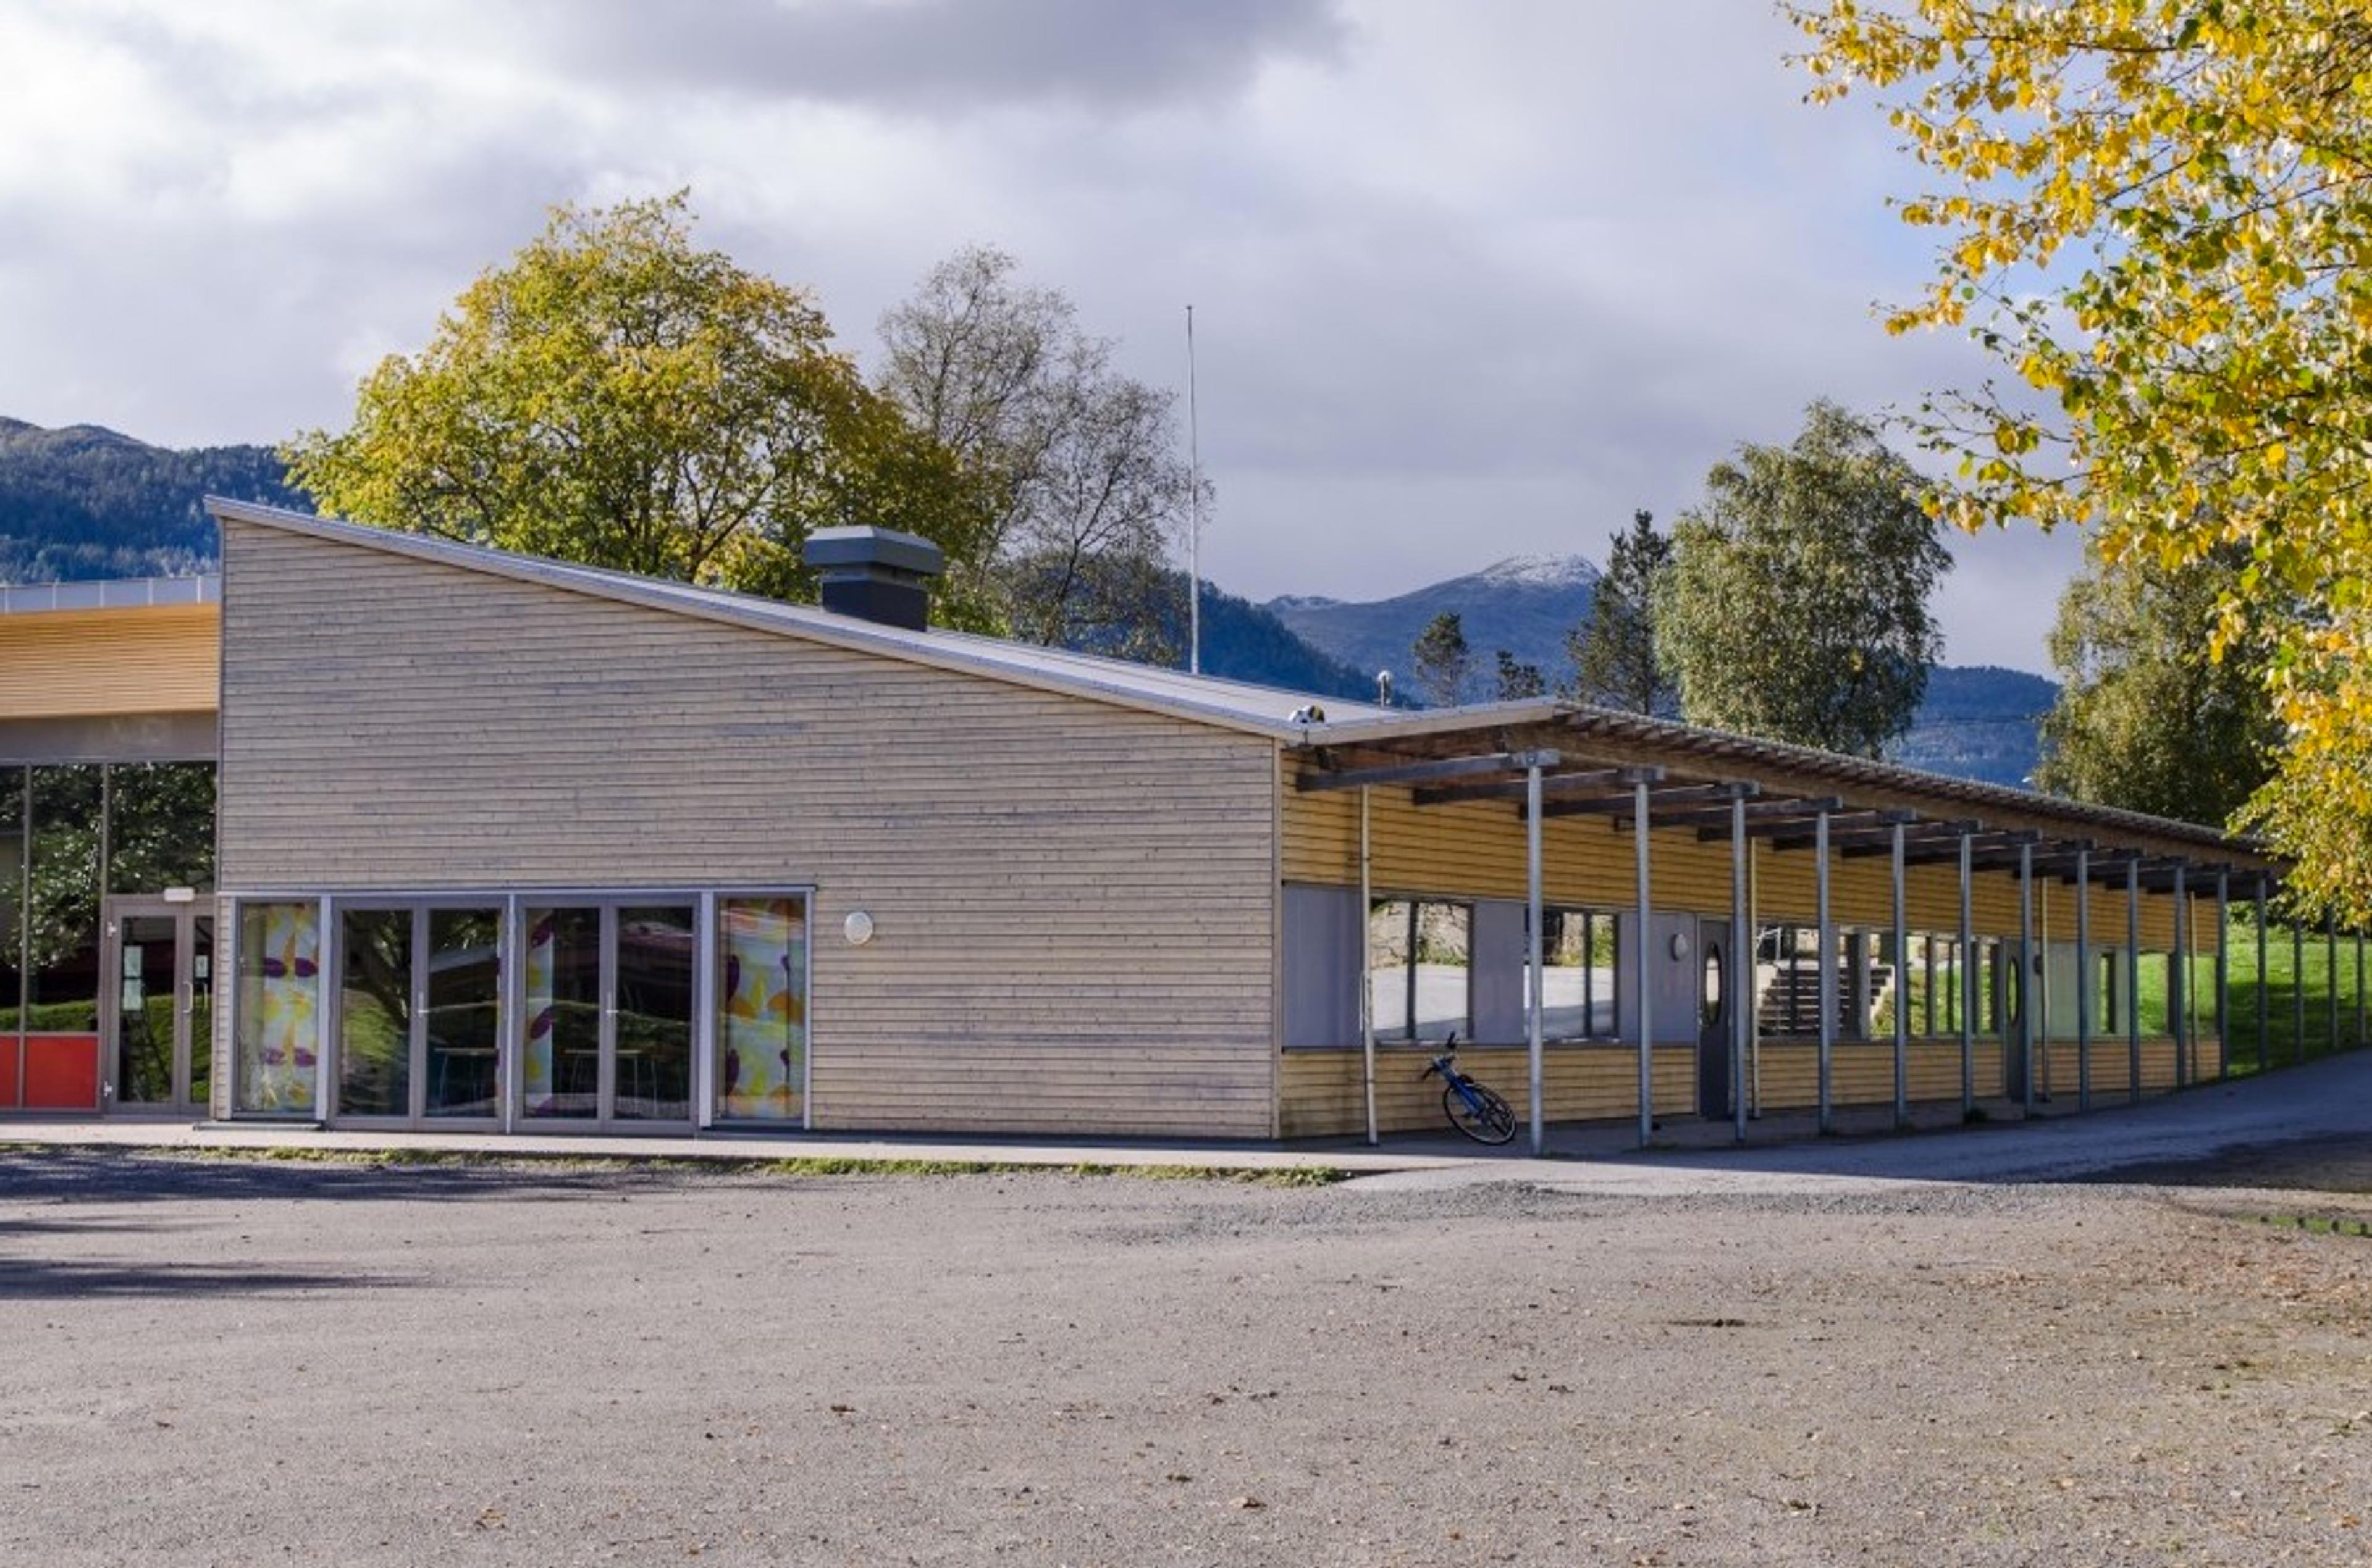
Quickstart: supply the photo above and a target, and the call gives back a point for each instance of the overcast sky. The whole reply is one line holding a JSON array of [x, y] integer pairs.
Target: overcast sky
[[1469, 280]]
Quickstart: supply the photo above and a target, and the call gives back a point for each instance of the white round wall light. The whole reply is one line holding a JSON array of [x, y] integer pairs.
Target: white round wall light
[[857, 928]]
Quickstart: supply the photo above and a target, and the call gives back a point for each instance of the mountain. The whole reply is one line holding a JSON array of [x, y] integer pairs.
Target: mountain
[[1243, 641], [1979, 722], [1524, 604], [86, 501]]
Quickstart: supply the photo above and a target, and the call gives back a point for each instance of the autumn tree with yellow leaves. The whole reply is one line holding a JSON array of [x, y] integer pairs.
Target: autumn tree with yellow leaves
[[2158, 215]]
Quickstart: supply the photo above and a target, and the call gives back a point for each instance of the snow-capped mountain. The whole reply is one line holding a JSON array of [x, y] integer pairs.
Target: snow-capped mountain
[[1524, 604]]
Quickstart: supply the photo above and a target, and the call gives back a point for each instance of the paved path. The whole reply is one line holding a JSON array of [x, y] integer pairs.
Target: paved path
[[2323, 1100], [2326, 1100]]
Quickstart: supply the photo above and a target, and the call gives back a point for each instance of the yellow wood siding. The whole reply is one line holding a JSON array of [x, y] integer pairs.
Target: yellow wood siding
[[1862, 1071], [1075, 903], [1476, 850], [1323, 1095], [101, 662]]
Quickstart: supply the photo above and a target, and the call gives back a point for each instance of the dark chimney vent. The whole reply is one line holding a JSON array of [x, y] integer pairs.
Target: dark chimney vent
[[877, 574]]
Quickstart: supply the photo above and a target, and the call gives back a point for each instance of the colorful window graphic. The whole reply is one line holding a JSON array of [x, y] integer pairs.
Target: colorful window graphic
[[279, 1002], [762, 1023]]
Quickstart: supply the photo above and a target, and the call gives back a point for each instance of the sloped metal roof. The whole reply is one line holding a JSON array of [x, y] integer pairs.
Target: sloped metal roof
[[1232, 703]]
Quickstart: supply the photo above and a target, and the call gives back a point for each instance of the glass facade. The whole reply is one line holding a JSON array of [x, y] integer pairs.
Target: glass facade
[[275, 1034], [609, 991], [563, 1013], [762, 1009], [653, 1014], [375, 990], [72, 834], [462, 1025]]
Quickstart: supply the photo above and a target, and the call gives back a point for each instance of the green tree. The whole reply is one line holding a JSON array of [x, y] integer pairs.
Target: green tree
[[617, 397], [1615, 661], [1443, 663], [2155, 212], [1084, 487], [1795, 604], [1519, 681], [2145, 719]]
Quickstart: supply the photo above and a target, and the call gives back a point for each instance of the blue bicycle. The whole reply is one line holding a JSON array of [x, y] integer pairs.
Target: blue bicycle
[[1473, 1109]]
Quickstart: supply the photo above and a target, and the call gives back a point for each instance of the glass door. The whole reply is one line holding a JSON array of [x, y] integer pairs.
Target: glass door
[[419, 1024], [157, 1006], [610, 990]]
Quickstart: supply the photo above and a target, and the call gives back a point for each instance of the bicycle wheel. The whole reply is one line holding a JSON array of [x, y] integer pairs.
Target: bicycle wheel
[[1477, 1112]]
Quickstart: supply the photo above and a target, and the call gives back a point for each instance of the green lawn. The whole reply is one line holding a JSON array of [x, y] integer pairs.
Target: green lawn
[[2282, 983]]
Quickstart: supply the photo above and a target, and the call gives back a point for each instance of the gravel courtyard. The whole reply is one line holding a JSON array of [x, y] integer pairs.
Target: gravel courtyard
[[213, 1360]]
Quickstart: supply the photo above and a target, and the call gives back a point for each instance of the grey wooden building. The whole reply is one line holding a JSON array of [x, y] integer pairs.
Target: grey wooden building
[[513, 844]]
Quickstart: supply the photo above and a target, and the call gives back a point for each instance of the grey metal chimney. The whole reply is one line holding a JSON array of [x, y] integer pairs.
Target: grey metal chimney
[[877, 574]]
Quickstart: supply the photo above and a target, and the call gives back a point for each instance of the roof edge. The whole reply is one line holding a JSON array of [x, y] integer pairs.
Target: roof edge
[[810, 624], [1746, 752]]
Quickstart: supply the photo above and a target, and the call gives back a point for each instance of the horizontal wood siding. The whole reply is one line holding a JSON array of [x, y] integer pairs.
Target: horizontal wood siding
[[1860, 1072], [2062, 1076], [1322, 1094], [101, 663], [1074, 902], [1476, 850]]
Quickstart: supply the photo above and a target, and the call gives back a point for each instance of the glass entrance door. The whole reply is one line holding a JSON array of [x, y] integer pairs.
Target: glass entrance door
[[419, 1020], [157, 1007], [609, 1014]]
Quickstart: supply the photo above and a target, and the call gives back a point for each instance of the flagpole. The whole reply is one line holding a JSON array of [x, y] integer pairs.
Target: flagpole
[[1193, 511]]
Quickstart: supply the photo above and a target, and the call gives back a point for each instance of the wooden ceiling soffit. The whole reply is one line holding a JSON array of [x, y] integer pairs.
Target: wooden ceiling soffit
[[1425, 772], [1551, 784], [1980, 845], [1676, 796], [1863, 833], [1680, 816], [1862, 843], [1803, 831]]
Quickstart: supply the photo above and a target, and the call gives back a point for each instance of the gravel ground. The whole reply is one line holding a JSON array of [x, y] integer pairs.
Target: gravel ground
[[224, 1361]]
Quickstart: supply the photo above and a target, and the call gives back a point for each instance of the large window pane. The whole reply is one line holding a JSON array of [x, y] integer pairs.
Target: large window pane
[[1579, 968], [2156, 1019], [279, 996], [762, 1014], [464, 1015], [563, 1069], [12, 897], [375, 1012], [63, 915], [161, 826], [655, 982], [1422, 964]]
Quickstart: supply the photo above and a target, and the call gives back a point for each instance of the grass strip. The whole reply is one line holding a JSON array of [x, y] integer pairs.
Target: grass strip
[[796, 1166]]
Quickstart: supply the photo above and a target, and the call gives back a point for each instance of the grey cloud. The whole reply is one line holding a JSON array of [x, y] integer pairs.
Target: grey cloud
[[932, 54]]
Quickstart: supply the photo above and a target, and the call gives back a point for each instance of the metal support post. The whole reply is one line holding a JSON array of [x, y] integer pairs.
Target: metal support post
[[2223, 974], [1826, 948], [2026, 987], [1965, 984], [1644, 1007], [2177, 984], [1535, 992], [2082, 978], [1368, 964], [2298, 991], [2133, 981], [1902, 996], [2331, 973], [1742, 942], [2264, 999]]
